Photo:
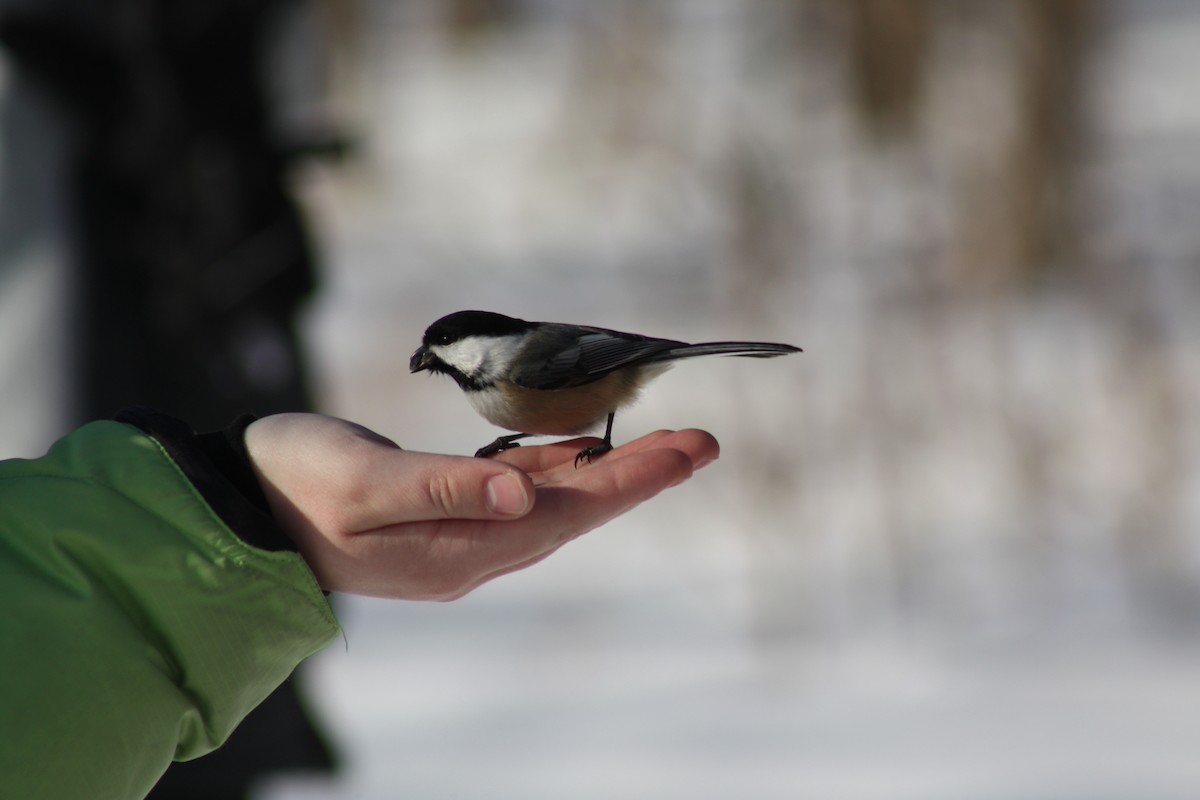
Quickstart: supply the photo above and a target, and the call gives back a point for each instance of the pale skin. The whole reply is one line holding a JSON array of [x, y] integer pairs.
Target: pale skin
[[373, 519]]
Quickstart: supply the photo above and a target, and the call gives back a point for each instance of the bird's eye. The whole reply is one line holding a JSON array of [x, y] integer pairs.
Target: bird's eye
[[442, 338]]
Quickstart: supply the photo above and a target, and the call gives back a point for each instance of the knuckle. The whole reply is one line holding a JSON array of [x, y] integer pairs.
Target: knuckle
[[443, 493]]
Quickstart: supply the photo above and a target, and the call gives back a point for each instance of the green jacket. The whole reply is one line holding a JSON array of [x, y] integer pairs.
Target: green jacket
[[149, 602]]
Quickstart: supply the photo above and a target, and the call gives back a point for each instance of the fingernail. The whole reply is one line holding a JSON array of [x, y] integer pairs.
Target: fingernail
[[506, 495]]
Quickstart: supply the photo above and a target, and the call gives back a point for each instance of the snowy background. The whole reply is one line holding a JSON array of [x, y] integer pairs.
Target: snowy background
[[951, 550]]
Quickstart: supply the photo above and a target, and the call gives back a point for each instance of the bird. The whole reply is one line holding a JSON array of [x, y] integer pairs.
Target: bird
[[554, 378]]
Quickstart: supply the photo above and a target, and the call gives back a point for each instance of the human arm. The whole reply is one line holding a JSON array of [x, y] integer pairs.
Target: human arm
[[153, 594], [138, 626]]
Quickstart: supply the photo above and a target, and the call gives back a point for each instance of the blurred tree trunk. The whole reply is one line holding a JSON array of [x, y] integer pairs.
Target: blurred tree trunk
[[466, 19], [888, 54], [1043, 199], [1028, 226]]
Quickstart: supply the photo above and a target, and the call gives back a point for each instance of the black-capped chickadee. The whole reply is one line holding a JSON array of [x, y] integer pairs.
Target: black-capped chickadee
[[553, 378]]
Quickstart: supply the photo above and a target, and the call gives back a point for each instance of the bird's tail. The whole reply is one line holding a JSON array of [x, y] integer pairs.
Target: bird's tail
[[745, 349]]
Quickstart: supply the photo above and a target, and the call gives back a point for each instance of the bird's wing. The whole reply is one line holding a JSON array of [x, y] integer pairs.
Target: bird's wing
[[573, 356]]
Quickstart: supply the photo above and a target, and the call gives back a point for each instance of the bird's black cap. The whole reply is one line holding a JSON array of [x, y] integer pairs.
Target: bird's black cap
[[461, 324]]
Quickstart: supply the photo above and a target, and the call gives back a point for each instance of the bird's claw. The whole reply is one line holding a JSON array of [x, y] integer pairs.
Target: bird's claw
[[500, 445], [589, 453]]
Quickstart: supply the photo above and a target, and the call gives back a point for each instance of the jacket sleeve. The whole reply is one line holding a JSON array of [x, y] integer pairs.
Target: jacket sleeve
[[138, 625]]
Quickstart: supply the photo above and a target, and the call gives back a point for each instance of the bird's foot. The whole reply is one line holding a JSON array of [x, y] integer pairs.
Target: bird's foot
[[501, 444], [595, 451]]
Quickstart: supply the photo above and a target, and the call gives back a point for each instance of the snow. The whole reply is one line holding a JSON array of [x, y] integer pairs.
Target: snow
[[950, 551]]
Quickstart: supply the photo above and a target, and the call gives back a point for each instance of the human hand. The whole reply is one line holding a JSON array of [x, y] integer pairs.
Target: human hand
[[373, 519]]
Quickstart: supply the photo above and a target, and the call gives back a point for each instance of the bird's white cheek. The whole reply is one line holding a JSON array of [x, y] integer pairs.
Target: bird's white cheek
[[478, 356], [466, 356]]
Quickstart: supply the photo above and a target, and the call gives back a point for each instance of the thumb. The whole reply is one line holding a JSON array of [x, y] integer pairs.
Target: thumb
[[437, 486], [342, 476]]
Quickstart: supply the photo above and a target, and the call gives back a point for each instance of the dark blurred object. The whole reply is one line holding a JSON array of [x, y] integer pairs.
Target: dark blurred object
[[888, 51], [466, 19], [1057, 39], [278, 736], [191, 259]]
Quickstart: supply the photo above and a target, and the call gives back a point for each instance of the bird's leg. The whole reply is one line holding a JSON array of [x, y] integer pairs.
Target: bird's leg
[[501, 444], [596, 450]]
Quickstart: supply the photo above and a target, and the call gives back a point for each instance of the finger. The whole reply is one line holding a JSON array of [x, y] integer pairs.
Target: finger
[[581, 501], [444, 559], [596, 494], [406, 486], [699, 446], [536, 458], [543, 458]]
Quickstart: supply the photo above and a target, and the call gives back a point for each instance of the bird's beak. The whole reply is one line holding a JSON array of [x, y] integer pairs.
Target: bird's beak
[[422, 359]]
